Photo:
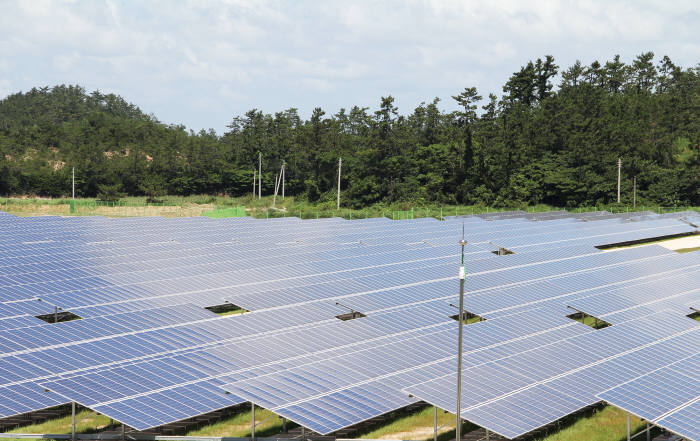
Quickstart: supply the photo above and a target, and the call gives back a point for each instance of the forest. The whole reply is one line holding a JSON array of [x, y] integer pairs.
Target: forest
[[551, 136]]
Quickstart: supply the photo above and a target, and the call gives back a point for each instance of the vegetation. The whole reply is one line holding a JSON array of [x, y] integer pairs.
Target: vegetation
[[86, 421], [535, 143], [238, 425], [416, 425], [608, 424]]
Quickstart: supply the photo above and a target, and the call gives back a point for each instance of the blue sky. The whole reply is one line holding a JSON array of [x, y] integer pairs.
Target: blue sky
[[200, 63]]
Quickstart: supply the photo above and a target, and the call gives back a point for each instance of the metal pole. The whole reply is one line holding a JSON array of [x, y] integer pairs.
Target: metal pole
[[648, 432], [458, 425], [303, 434], [72, 433], [487, 434], [73, 183], [434, 423], [284, 425], [123, 432], [629, 424], [254, 179], [340, 165], [283, 167], [252, 421], [619, 170], [259, 175], [634, 193]]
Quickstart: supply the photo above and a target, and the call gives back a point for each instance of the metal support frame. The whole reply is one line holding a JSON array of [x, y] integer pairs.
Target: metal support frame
[[252, 421], [284, 425], [123, 432], [72, 432], [435, 426], [648, 432], [629, 424]]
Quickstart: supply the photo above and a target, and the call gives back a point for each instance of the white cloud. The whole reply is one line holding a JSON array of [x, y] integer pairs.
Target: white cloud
[[200, 63]]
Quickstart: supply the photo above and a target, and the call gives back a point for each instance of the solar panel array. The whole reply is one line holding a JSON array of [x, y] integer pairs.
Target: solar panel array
[[146, 351]]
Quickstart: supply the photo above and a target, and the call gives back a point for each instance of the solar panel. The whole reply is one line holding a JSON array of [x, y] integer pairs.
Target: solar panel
[[147, 353]]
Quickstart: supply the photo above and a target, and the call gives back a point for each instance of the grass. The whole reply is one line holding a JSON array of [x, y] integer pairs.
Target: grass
[[179, 206], [416, 426], [86, 422], [238, 425], [608, 424], [234, 312]]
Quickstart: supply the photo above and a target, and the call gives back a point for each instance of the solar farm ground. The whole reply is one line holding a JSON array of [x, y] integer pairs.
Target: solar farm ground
[[603, 424]]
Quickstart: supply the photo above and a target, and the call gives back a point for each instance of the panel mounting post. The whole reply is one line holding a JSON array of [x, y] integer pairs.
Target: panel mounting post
[[648, 432], [72, 432], [629, 424], [435, 435], [252, 421], [284, 425]]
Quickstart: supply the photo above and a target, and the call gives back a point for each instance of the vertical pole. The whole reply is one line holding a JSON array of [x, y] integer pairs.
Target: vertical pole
[[340, 165], [283, 176], [634, 192], [73, 183], [303, 434], [458, 425], [619, 172], [72, 433], [254, 179], [259, 175], [648, 432], [435, 423], [278, 179], [487, 434], [252, 421], [55, 314], [284, 425], [629, 424], [123, 432]]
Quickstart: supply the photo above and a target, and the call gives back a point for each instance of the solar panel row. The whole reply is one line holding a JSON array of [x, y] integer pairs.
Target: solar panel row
[[291, 355]]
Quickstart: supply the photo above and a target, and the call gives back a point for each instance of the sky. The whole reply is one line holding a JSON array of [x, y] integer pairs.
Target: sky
[[201, 63]]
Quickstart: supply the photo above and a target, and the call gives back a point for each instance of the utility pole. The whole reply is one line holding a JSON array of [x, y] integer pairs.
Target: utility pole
[[458, 427], [259, 175], [340, 165], [283, 176], [634, 192], [73, 183], [254, 179], [278, 180], [619, 170]]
